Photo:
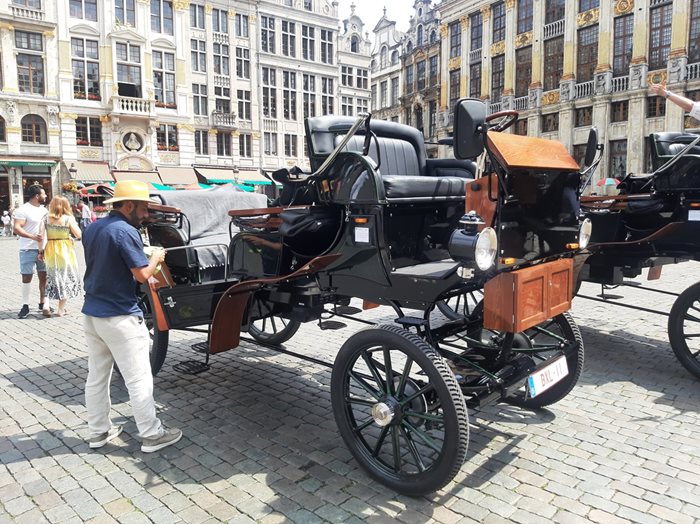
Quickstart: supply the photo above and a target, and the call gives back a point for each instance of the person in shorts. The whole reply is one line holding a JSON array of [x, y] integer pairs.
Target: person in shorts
[[28, 221]]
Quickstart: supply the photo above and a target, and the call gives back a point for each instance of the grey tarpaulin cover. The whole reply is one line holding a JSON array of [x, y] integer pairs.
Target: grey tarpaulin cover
[[207, 210]]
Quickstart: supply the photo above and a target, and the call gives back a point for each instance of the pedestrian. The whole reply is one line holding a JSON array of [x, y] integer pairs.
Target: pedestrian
[[114, 325], [62, 278], [85, 216], [28, 219], [6, 224], [684, 103]]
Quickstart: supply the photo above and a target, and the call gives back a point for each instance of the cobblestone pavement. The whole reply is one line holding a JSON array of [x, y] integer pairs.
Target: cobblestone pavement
[[261, 444]]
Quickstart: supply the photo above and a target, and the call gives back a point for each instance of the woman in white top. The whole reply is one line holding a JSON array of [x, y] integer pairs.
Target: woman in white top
[[684, 103]]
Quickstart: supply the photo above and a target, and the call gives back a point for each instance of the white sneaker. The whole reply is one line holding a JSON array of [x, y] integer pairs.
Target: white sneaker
[[101, 440], [167, 437]]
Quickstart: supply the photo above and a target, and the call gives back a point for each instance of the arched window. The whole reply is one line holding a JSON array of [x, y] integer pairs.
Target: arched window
[[3, 133], [419, 36], [433, 37], [34, 129], [394, 58], [409, 46], [382, 57], [354, 44]]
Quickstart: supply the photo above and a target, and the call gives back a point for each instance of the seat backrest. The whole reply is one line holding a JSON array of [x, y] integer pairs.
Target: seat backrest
[[396, 156]]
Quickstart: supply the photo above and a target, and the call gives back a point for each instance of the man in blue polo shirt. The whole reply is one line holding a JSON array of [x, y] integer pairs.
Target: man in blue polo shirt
[[114, 326]]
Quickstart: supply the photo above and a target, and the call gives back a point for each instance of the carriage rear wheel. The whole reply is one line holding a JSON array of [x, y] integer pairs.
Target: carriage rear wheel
[[684, 329], [159, 339], [273, 330], [399, 409]]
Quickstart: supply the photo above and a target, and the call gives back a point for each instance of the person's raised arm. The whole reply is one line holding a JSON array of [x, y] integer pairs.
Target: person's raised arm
[[142, 274], [660, 90]]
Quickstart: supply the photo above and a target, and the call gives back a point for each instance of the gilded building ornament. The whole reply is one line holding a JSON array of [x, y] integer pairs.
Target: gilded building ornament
[[588, 17], [510, 4], [188, 127], [213, 132], [231, 13], [104, 119], [208, 8], [464, 22], [54, 132], [89, 153], [550, 97], [49, 34], [444, 30], [454, 63], [498, 48], [485, 14], [622, 7], [657, 77], [67, 116], [181, 5], [5, 25], [523, 39]]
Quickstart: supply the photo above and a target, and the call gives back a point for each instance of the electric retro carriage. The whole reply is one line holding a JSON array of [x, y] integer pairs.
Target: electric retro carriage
[[378, 221]]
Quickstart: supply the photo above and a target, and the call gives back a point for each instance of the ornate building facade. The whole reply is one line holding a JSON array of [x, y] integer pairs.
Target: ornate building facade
[[386, 71]]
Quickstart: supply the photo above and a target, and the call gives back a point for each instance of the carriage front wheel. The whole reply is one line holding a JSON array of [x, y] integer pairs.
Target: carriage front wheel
[[684, 329], [399, 409]]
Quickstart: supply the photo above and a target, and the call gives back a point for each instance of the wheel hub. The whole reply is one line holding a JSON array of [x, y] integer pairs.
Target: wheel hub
[[383, 413]]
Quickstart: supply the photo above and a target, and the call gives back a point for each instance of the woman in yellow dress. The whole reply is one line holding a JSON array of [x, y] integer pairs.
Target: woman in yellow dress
[[62, 278]]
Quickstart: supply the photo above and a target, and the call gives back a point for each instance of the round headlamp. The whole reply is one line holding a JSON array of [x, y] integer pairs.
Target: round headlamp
[[485, 250], [584, 234], [472, 248]]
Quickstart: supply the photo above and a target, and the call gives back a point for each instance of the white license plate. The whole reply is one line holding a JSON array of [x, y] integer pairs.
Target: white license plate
[[693, 215], [546, 377]]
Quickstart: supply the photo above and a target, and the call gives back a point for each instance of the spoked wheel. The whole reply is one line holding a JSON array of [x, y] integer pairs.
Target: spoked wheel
[[460, 306], [159, 339], [684, 329], [273, 330], [399, 409]]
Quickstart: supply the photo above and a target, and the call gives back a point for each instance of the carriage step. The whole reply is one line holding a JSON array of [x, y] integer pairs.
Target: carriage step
[[408, 322], [191, 367], [201, 347], [332, 325], [346, 310]]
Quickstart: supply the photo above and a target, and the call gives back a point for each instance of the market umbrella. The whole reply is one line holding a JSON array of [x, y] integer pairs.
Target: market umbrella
[[608, 182], [96, 190]]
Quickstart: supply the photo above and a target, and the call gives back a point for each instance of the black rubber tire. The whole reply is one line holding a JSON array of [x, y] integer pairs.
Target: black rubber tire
[[457, 307], [676, 328], [274, 337], [443, 401], [574, 362]]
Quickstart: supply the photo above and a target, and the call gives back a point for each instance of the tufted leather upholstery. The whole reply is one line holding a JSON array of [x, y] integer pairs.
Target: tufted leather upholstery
[[398, 157]]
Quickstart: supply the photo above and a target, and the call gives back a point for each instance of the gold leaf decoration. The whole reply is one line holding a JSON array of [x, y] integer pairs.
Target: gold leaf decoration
[[550, 97], [657, 77], [498, 48], [623, 7], [588, 17], [523, 39]]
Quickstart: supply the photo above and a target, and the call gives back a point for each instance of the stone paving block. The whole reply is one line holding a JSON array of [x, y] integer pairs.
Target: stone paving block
[[602, 517]]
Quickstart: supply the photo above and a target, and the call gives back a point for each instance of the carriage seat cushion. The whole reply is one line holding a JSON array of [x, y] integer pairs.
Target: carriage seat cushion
[[424, 188], [398, 157]]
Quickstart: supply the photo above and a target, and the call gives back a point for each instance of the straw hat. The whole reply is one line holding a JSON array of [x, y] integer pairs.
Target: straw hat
[[130, 190]]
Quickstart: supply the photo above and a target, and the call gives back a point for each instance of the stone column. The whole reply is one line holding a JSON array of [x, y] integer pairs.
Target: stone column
[[509, 80], [676, 73], [603, 72], [639, 66], [535, 88], [464, 60], [485, 53]]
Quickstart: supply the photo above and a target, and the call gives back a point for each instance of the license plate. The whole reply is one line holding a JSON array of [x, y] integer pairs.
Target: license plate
[[693, 215], [546, 377]]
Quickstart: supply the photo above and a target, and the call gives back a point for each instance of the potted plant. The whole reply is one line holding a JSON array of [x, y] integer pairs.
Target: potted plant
[[100, 211], [82, 142]]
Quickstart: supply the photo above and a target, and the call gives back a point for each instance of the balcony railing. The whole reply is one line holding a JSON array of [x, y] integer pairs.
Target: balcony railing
[[220, 38], [584, 89], [132, 106], [23, 12], [693, 71], [475, 55], [220, 119], [520, 103], [554, 29], [620, 83], [269, 125], [222, 81], [495, 108]]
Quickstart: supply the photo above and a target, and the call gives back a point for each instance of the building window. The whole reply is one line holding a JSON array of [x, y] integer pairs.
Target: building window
[[525, 12], [221, 58], [199, 56], [553, 62], [164, 79], [267, 34], [383, 93], [362, 105], [498, 11], [290, 145], [346, 76], [289, 38], [475, 80], [374, 97], [455, 80], [309, 94], [222, 103], [125, 12], [308, 5], [579, 153], [622, 47], [656, 106], [477, 31], [326, 46], [619, 111], [433, 70], [30, 66], [432, 116], [583, 116], [420, 36], [394, 57], [420, 74], [586, 5], [162, 17], [554, 10], [223, 144], [550, 122], [523, 70], [88, 131], [498, 65], [409, 79], [201, 142], [85, 9], [166, 137], [128, 69], [394, 91], [694, 33], [659, 35], [346, 105], [3, 133], [243, 62], [199, 99], [289, 95], [269, 101], [245, 145], [86, 68], [618, 159], [270, 143], [308, 43], [455, 39], [586, 53], [244, 108], [521, 127], [241, 26], [196, 16], [362, 78], [219, 21], [34, 130], [326, 96]]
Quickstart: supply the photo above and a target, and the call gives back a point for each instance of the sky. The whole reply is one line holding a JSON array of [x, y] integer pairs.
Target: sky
[[370, 11]]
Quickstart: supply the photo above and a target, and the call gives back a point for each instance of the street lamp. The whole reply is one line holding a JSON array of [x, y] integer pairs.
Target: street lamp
[[73, 171]]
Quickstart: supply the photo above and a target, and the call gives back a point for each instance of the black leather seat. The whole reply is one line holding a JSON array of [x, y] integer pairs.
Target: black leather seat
[[666, 145]]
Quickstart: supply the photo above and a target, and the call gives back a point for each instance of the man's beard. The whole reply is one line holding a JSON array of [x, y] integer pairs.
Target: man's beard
[[134, 220]]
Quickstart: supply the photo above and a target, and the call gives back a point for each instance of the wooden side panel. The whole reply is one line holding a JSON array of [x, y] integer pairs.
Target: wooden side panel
[[530, 297], [477, 198], [527, 152], [499, 298], [561, 286]]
